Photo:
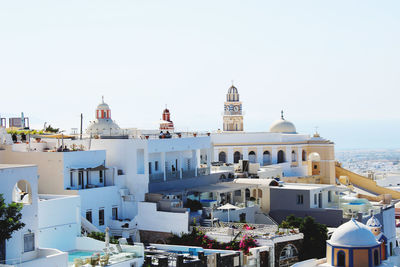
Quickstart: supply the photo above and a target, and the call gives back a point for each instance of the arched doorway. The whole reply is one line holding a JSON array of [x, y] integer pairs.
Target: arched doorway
[[247, 194], [222, 157], [266, 158], [376, 258], [304, 155], [341, 258], [281, 156], [252, 157], [314, 161], [294, 156], [236, 157], [288, 255]]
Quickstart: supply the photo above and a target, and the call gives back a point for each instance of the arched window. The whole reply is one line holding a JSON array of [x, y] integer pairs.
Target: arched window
[[22, 192], [222, 157], [247, 193], [259, 193], [341, 258], [294, 156], [376, 258], [266, 158], [288, 256], [252, 157], [304, 155], [281, 156], [236, 157]]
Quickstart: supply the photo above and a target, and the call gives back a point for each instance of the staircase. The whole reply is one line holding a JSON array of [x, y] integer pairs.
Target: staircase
[[263, 218], [87, 226]]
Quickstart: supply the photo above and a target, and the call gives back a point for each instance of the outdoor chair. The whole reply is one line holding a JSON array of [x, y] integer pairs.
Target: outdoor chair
[[119, 248], [78, 262], [104, 260]]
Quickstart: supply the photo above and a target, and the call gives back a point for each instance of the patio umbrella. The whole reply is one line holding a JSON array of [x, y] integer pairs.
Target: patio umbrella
[[228, 207], [107, 238]]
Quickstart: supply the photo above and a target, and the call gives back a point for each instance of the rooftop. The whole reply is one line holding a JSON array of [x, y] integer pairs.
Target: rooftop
[[12, 166]]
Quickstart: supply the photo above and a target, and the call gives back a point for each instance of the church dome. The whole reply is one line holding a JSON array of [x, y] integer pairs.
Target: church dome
[[233, 90], [282, 126], [373, 222], [103, 106], [353, 234]]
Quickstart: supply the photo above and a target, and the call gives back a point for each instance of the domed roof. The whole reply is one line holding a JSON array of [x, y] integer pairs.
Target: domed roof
[[353, 234], [103, 127], [103, 105], [373, 222], [233, 90], [282, 126]]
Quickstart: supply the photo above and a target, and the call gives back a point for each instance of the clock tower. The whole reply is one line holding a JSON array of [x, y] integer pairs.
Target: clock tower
[[233, 117]]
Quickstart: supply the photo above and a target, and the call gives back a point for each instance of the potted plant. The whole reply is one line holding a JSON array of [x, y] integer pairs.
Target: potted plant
[[194, 134]]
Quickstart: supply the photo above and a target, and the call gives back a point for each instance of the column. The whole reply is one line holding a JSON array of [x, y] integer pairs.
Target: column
[[208, 157], [162, 165], [180, 163], [274, 156], [245, 152], [230, 155], [288, 154], [299, 155], [216, 155], [260, 155]]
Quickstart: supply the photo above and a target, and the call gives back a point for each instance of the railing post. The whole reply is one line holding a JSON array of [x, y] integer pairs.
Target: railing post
[[179, 261]]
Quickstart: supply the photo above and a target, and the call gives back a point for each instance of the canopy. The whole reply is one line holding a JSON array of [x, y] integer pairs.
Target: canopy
[[228, 207]]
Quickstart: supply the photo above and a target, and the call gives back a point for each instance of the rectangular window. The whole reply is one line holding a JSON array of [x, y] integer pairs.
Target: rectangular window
[[101, 177], [89, 215], [88, 178], [315, 199], [29, 242], [149, 167], [80, 178], [101, 216], [115, 213], [329, 196], [156, 165], [300, 199], [71, 179]]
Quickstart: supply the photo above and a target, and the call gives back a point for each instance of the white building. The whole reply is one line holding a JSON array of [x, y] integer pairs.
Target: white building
[[19, 184]]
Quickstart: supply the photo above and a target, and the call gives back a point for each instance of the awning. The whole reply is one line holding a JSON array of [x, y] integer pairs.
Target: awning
[[221, 187], [97, 168]]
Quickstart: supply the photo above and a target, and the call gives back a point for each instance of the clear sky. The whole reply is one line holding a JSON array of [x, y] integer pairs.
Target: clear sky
[[332, 64]]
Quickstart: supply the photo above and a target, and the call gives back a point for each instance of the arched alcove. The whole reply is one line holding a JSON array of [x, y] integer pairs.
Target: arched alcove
[[22, 192]]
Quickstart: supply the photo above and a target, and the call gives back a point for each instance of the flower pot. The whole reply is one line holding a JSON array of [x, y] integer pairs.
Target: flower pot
[[147, 137], [195, 134]]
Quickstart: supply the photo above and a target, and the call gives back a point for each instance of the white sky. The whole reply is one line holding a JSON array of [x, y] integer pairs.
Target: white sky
[[334, 64]]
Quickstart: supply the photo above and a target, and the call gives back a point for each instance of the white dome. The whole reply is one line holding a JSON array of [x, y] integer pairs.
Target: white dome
[[282, 126], [373, 222], [103, 127], [353, 234]]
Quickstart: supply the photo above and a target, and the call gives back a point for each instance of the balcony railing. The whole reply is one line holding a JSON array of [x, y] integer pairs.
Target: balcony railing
[[157, 176], [203, 171], [173, 175], [188, 174]]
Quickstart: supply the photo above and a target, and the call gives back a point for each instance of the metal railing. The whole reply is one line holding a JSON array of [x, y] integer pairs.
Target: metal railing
[[203, 171]]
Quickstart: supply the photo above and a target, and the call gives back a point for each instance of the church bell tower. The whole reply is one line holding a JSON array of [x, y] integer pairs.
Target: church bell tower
[[233, 117]]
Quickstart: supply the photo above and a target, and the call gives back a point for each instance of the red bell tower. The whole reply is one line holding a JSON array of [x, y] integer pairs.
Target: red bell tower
[[166, 124]]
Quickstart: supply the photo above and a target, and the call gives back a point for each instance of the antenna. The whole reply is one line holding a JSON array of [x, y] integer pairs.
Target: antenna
[[102, 99], [282, 115]]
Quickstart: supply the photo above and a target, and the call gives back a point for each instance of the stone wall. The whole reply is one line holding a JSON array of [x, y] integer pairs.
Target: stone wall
[[154, 237]]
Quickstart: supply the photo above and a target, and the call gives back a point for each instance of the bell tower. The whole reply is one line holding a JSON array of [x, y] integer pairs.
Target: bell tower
[[233, 117]]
